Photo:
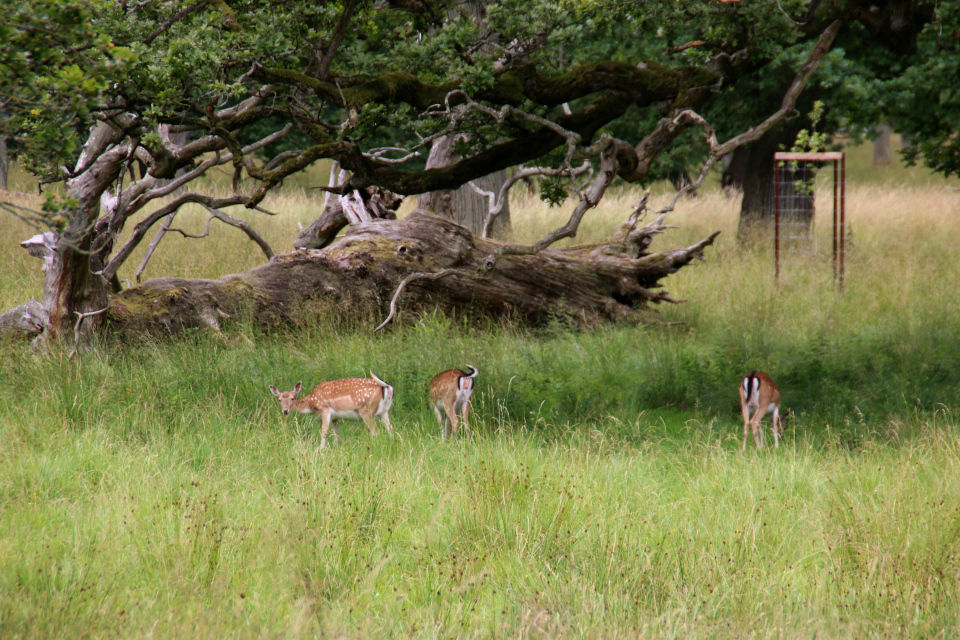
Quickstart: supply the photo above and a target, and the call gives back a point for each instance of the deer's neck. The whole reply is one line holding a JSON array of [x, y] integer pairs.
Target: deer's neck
[[303, 405]]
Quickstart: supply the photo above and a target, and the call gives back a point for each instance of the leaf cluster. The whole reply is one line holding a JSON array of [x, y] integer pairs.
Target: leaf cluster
[[57, 62]]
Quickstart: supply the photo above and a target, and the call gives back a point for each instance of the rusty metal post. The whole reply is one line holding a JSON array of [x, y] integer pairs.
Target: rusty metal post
[[836, 220], [843, 217], [776, 221]]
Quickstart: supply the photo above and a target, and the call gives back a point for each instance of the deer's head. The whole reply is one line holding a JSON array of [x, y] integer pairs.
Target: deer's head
[[287, 398]]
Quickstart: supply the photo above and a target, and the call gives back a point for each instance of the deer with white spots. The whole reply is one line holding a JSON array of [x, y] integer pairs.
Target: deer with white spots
[[451, 390], [350, 399], [759, 395]]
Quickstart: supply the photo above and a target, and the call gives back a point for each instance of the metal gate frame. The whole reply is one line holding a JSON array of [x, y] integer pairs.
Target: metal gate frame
[[839, 205]]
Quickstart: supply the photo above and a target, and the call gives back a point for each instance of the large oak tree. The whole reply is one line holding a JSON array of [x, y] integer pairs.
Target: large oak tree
[[178, 87]]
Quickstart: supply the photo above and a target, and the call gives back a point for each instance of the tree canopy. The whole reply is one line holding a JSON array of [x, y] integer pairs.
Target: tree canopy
[[350, 74], [88, 87]]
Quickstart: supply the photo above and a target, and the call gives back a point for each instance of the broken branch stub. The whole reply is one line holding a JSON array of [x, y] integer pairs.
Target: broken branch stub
[[377, 204]]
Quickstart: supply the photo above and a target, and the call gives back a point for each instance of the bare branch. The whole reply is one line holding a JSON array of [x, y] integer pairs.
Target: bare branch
[[281, 157], [244, 226], [459, 111], [787, 106], [39, 220], [608, 168], [233, 222], [496, 202], [146, 194], [378, 154], [403, 285], [81, 316], [574, 150], [144, 225], [153, 245]]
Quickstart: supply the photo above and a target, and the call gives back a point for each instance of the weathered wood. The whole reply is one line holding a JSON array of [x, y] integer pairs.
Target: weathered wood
[[357, 276], [380, 205], [26, 321], [71, 287], [464, 205]]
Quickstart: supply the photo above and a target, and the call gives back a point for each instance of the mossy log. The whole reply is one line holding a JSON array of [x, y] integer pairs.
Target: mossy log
[[359, 274]]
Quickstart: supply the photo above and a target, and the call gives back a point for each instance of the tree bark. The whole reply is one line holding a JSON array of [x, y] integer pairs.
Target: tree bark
[[4, 163], [27, 320], [881, 146], [71, 288], [465, 206], [379, 204], [735, 171], [357, 277], [757, 209]]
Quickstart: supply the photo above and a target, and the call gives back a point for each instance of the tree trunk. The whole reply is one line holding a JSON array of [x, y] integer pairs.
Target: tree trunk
[[465, 206], [881, 146], [4, 163], [357, 277], [70, 287], [757, 209], [735, 171]]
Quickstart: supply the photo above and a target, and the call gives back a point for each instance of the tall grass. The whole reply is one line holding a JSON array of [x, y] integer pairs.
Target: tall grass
[[156, 490], [151, 494]]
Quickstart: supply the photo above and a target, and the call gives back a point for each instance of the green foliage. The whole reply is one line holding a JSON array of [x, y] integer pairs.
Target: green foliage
[[553, 191], [172, 62], [924, 101], [811, 140], [56, 61]]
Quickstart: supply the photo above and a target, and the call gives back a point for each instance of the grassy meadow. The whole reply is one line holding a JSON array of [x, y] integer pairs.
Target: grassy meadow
[[155, 489]]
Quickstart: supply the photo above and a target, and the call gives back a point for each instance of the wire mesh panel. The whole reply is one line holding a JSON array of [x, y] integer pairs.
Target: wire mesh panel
[[802, 183]]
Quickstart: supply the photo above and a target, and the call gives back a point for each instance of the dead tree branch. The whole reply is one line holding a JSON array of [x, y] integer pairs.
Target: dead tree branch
[[787, 107], [153, 245], [81, 316], [233, 222], [143, 226], [608, 169], [497, 201], [403, 285]]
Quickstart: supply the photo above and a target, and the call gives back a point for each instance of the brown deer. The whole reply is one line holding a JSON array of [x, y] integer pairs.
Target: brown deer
[[760, 395], [451, 390], [349, 399]]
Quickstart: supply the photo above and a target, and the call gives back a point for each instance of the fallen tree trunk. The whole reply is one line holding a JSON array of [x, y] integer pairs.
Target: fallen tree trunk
[[358, 275]]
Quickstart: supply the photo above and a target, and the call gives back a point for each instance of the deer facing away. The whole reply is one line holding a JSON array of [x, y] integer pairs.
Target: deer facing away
[[451, 390], [349, 399], [759, 395]]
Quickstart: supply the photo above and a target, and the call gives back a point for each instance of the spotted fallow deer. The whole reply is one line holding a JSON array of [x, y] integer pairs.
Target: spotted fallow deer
[[759, 395], [349, 399], [451, 390]]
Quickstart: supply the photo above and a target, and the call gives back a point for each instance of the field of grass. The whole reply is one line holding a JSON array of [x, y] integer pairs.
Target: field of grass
[[155, 490]]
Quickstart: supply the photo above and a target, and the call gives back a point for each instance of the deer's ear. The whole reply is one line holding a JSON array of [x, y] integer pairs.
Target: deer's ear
[[275, 391], [297, 388]]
